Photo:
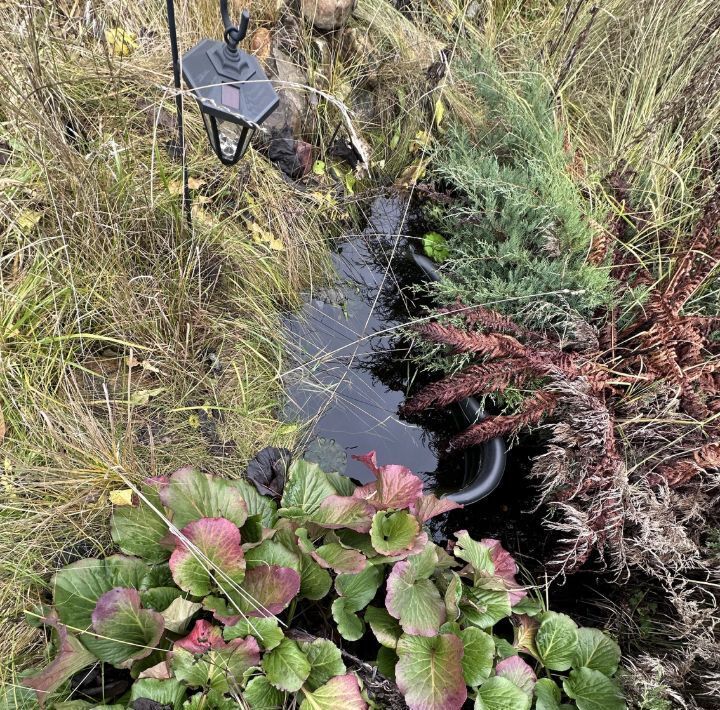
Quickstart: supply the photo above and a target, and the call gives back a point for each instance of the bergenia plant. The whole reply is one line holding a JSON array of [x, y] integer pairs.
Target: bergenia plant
[[224, 598]]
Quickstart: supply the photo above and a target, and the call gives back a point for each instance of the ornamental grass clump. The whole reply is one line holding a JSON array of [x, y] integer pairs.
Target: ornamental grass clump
[[222, 596]]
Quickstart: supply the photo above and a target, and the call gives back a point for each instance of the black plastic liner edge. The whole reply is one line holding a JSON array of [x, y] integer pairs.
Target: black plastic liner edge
[[490, 471]]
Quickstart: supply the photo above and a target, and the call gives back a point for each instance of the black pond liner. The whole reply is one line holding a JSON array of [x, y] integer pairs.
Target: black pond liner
[[350, 369]]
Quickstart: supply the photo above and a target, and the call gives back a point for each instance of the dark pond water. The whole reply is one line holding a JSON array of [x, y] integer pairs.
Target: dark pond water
[[350, 369]]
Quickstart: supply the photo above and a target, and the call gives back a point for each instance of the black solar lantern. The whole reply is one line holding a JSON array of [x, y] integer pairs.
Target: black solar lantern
[[233, 92]]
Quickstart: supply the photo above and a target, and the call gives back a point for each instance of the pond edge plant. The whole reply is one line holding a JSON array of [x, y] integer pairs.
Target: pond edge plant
[[203, 601]]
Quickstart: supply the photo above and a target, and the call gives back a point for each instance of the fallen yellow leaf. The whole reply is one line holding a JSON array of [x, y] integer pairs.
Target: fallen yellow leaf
[[421, 142], [27, 220], [203, 216], [122, 43], [439, 112], [262, 236], [410, 175], [143, 396], [121, 497]]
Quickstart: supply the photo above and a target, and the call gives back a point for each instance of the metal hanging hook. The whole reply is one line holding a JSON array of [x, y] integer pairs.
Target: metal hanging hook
[[234, 34]]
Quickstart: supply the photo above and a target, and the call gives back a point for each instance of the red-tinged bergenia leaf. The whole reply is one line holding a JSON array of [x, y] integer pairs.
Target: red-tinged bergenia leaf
[[366, 492], [267, 590], [430, 505], [337, 512], [219, 668], [397, 487], [414, 600], [517, 672], [369, 459], [505, 568], [429, 672], [192, 495], [209, 648], [339, 559], [223, 610], [160, 671], [526, 628], [70, 659], [158, 482], [203, 637], [126, 629], [212, 557], [342, 691]]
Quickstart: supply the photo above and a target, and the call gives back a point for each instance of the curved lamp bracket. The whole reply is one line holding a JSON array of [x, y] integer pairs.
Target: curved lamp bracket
[[234, 34]]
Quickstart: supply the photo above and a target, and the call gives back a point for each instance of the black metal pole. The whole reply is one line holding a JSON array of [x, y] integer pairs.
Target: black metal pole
[[186, 198]]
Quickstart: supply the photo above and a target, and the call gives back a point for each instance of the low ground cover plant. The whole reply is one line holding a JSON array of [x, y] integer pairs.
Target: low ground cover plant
[[223, 589]]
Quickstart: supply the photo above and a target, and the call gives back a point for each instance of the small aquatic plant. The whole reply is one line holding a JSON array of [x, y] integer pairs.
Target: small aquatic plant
[[222, 595]]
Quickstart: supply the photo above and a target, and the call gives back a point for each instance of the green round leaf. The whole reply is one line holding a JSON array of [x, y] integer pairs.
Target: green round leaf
[[484, 607], [139, 530], [596, 650], [477, 661], [338, 558], [386, 629], [498, 693], [168, 692], [359, 589], [435, 246], [257, 505], [393, 533], [415, 603], [307, 487], [350, 626], [547, 694], [474, 553], [192, 495], [325, 662], [429, 672], [340, 692], [271, 552], [556, 641], [259, 694], [386, 661], [286, 666], [265, 629], [315, 582], [592, 690]]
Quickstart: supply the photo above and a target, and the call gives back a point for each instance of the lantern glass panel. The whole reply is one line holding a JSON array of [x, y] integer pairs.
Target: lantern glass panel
[[229, 135], [208, 119]]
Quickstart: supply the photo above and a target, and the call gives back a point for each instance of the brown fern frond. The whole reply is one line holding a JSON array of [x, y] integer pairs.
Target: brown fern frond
[[491, 345], [534, 408], [700, 258], [493, 321], [600, 244], [476, 379]]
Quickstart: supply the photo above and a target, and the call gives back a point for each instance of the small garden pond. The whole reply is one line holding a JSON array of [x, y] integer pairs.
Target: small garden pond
[[350, 368]]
